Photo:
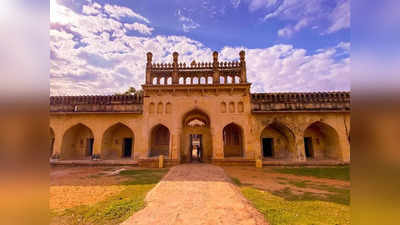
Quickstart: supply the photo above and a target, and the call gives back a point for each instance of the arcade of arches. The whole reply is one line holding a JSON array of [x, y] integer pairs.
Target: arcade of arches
[[190, 112]]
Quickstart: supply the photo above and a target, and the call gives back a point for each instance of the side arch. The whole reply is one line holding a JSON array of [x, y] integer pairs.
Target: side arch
[[277, 141], [118, 142], [77, 142], [232, 135], [159, 141], [321, 142]]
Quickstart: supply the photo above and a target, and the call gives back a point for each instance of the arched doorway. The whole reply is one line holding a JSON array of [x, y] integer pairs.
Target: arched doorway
[[51, 141], [196, 138], [233, 140], [77, 143], [321, 142], [118, 142], [277, 142], [159, 141]]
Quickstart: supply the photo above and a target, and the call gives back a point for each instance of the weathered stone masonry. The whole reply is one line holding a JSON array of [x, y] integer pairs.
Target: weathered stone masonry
[[211, 100]]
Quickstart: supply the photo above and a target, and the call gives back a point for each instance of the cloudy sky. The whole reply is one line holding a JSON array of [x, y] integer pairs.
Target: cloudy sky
[[99, 47]]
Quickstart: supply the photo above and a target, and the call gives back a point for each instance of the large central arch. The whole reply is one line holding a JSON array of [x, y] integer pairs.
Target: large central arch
[[196, 126], [77, 143]]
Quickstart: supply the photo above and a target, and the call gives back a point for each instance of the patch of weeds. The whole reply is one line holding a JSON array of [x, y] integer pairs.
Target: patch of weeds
[[299, 183], [336, 195], [236, 181], [291, 209], [143, 176], [116, 208], [94, 176], [336, 172]]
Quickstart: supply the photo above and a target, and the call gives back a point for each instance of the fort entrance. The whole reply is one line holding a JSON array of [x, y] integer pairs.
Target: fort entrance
[[202, 112], [196, 137]]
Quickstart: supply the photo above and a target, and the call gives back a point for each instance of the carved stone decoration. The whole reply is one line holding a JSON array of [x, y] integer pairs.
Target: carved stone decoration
[[160, 108], [168, 108], [231, 107], [223, 107], [151, 108], [240, 107]]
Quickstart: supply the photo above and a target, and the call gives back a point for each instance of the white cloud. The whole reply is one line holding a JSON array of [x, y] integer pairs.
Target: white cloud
[[257, 4], [119, 12], [289, 30], [187, 23], [106, 60], [92, 9], [310, 11], [235, 3], [142, 28], [340, 17]]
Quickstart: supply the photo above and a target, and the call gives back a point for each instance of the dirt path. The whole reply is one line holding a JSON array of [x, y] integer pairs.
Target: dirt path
[[196, 194]]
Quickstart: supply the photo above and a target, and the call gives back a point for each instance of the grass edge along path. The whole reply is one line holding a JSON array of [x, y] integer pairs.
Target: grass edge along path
[[336, 172], [116, 208]]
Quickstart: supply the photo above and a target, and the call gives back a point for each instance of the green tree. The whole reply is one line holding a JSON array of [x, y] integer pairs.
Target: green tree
[[131, 91]]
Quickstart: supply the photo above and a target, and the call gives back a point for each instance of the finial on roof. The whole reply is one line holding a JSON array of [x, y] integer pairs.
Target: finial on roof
[[242, 55], [149, 57], [215, 56]]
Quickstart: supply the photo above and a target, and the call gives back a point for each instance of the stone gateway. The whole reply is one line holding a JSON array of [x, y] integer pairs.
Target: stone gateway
[[206, 108]]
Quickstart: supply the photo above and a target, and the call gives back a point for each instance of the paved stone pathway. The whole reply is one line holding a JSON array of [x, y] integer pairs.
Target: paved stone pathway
[[196, 194]]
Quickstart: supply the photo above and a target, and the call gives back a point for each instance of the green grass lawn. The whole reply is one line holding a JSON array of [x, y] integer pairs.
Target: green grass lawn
[[117, 208], [305, 211], [284, 207], [338, 172]]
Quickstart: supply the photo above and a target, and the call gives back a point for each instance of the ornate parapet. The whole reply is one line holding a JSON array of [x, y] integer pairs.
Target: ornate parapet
[[199, 73], [97, 104], [295, 102]]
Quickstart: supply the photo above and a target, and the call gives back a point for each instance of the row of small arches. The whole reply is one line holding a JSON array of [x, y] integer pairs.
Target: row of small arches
[[196, 80], [159, 108], [231, 107]]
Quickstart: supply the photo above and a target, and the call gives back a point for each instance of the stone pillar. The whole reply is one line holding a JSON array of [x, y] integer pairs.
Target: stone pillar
[[218, 144], [175, 78], [174, 151], [98, 140], [243, 76], [215, 68], [57, 146], [300, 154], [148, 68]]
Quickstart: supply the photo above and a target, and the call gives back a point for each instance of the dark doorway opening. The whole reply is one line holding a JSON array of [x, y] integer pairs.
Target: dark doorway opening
[[268, 147], [127, 147], [89, 142], [196, 147], [308, 147]]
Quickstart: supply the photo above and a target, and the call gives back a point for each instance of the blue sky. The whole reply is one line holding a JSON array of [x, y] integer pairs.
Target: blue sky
[[98, 47]]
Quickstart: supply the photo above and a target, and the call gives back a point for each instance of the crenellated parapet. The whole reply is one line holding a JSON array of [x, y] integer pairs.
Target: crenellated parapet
[[200, 73], [96, 103], [313, 101]]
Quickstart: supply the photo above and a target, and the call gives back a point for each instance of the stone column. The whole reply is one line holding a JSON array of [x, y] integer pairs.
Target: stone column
[[215, 68], [57, 146], [175, 78], [148, 68], [98, 140], [218, 144], [300, 154], [243, 76]]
